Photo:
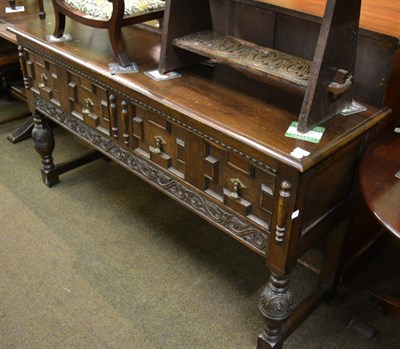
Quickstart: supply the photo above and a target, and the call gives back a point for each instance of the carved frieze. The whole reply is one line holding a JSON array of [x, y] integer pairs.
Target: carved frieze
[[49, 109]]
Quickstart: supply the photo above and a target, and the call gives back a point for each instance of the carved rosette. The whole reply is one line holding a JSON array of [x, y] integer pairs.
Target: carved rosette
[[276, 301], [208, 209]]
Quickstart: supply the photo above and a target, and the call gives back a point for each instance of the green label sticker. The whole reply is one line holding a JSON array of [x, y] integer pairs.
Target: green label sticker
[[313, 135]]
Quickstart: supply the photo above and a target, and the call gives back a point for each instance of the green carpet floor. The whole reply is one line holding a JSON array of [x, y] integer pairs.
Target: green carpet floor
[[103, 260]]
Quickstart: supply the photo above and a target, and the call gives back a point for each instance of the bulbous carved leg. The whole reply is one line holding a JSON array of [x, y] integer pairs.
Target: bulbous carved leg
[[275, 305], [43, 142]]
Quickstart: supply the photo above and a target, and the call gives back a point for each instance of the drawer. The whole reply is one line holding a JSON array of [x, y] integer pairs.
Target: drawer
[[88, 102], [239, 183], [43, 77], [148, 133]]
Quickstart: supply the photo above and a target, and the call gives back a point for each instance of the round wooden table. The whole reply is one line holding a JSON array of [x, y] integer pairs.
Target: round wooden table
[[380, 187], [380, 179]]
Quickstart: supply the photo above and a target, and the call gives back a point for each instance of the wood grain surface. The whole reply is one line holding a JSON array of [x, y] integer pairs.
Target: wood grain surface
[[382, 16]]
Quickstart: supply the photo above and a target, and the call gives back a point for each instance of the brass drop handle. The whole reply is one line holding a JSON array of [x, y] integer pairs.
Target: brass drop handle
[[235, 193], [87, 109], [237, 184], [159, 143], [43, 79]]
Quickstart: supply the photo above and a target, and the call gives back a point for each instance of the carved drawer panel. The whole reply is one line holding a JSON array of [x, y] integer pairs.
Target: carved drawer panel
[[43, 77], [239, 184], [225, 176], [148, 134], [88, 102]]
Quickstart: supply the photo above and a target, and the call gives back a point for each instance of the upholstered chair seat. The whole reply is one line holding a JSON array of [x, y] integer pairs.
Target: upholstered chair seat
[[108, 14], [102, 9]]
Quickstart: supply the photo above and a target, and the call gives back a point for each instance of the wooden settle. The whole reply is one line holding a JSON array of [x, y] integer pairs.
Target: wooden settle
[[279, 47]]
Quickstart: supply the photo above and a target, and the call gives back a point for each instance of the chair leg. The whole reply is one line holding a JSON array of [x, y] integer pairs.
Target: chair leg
[[59, 24], [12, 4], [118, 46], [42, 14]]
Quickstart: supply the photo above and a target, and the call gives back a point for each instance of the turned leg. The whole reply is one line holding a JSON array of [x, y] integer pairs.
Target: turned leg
[[118, 46], [275, 305], [42, 14], [43, 141]]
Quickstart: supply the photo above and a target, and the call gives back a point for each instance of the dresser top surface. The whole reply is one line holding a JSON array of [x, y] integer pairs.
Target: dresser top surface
[[217, 101]]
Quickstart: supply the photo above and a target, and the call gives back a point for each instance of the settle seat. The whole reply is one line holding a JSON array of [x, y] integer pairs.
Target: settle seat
[[107, 14]]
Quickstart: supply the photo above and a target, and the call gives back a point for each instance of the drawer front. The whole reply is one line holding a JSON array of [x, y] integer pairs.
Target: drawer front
[[88, 102], [148, 133], [239, 183], [43, 77]]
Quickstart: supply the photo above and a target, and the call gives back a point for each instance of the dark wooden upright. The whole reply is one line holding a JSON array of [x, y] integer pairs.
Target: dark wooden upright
[[329, 88]]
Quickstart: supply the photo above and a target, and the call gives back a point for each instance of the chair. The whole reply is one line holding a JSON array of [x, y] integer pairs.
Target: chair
[[42, 14], [107, 14]]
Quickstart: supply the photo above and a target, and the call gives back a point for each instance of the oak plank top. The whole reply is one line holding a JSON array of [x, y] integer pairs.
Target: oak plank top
[[382, 16]]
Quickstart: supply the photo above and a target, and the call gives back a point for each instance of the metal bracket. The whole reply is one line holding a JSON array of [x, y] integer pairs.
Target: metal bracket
[[342, 82]]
